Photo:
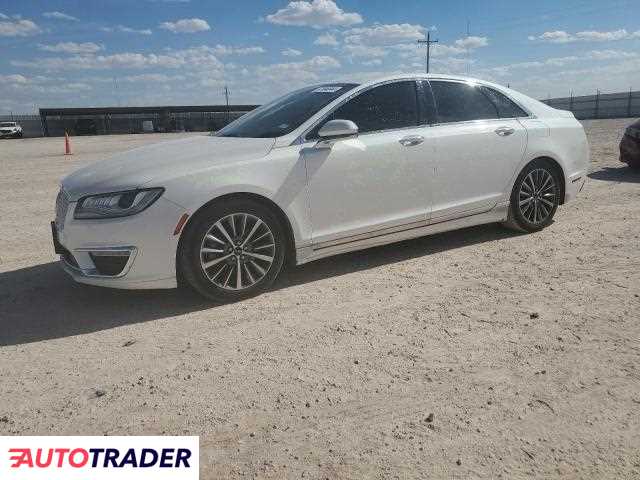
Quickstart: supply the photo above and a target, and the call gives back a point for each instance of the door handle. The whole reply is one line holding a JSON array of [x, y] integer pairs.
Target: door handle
[[411, 140], [505, 131]]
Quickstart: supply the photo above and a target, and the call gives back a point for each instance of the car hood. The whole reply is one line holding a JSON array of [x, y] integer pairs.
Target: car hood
[[162, 161]]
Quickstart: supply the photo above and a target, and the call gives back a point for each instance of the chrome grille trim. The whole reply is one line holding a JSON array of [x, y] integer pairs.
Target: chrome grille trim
[[62, 205]]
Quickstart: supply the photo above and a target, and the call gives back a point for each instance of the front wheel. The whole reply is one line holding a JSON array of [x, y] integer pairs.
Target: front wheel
[[535, 197], [232, 250]]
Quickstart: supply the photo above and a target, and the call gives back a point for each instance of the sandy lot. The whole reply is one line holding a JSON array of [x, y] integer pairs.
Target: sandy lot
[[476, 353]]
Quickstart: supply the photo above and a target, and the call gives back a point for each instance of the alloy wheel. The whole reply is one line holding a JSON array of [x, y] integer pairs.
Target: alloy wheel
[[537, 196], [237, 251]]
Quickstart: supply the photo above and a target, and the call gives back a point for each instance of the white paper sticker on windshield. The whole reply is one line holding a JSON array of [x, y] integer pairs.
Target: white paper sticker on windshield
[[326, 89]]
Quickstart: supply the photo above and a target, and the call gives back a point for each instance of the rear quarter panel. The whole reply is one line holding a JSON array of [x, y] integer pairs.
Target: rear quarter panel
[[562, 139]]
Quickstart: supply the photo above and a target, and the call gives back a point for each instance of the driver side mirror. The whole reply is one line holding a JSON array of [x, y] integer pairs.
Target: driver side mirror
[[337, 129]]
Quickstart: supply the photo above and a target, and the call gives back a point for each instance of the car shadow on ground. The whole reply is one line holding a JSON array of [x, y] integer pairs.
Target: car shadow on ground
[[616, 174], [41, 302]]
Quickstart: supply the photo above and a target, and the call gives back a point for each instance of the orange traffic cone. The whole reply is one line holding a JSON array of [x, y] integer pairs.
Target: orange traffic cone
[[67, 144]]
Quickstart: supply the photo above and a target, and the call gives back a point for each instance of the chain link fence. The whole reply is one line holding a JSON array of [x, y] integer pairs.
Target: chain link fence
[[607, 105]]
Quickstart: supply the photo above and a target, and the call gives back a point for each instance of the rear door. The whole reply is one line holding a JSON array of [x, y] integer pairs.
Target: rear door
[[479, 143]]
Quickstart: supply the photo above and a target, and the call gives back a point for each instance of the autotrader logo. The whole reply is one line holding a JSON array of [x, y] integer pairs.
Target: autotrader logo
[[97, 458]]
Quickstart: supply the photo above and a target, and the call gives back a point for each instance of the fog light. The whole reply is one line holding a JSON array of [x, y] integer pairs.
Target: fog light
[[108, 263]]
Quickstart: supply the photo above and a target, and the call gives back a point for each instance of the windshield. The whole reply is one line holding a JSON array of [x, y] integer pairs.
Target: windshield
[[7, 124], [284, 115]]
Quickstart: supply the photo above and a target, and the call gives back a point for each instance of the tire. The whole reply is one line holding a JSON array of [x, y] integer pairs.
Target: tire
[[535, 197], [225, 235]]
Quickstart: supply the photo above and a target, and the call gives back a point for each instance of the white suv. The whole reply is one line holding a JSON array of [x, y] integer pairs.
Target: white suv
[[10, 130], [321, 171]]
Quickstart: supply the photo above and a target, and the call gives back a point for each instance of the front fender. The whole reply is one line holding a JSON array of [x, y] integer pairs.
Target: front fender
[[278, 178]]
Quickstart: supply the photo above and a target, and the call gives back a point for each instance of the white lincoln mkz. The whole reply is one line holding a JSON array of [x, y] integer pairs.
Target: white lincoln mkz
[[324, 170]]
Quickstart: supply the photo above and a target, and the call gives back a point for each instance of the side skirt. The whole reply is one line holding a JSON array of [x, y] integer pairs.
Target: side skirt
[[375, 239]]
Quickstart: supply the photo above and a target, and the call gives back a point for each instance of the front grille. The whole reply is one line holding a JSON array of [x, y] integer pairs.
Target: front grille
[[62, 205]]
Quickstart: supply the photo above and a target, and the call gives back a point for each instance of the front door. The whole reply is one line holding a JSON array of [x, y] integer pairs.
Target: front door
[[378, 181]]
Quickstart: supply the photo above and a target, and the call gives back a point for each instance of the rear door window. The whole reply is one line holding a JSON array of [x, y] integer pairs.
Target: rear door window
[[507, 108], [461, 102]]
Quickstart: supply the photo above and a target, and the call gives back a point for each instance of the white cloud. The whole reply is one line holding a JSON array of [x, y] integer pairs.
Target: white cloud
[[291, 52], [379, 34], [223, 50], [186, 25], [558, 36], [123, 29], [18, 28], [561, 36], [470, 43], [316, 14], [297, 72], [364, 51], [59, 16], [372, 63], [593, 36], [611, 55], [72, 47], [202, 57], [3, 16], [439, 50], [326, 39], [14, 79], [582, 80], [153, 77], [559, 62]]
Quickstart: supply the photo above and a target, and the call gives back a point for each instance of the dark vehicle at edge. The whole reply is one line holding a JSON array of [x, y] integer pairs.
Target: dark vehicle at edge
[[630, 146]]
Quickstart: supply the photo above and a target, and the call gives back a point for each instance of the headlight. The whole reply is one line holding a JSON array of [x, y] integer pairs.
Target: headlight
[[117, 204]]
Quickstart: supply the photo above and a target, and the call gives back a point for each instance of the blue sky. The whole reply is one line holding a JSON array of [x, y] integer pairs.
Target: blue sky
[[150, 52]]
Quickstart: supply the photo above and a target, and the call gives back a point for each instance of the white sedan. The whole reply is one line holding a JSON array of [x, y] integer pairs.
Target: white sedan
[[324, 170]]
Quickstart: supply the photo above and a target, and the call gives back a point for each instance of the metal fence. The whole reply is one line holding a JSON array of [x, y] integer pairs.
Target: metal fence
[[607, 105]]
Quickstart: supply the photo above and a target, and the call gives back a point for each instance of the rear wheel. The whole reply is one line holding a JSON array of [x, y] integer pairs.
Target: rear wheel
[[232, 250], [535, 197]]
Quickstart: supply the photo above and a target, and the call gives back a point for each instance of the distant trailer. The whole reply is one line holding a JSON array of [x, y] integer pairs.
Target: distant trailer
[[121, 120]]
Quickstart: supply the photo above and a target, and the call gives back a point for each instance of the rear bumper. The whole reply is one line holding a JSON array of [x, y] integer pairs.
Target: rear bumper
[[575, 184]]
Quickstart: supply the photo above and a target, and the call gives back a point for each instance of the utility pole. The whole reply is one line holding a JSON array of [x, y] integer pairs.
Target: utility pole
[[428, 43], [115, 90], [226, 96], [468, 50]]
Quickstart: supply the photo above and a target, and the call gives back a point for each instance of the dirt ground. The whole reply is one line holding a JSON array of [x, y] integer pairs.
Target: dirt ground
[[476, 353]]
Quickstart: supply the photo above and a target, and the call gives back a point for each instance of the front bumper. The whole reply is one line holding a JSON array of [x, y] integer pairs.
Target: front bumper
[[12, 134], [145, 244]]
